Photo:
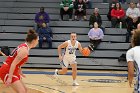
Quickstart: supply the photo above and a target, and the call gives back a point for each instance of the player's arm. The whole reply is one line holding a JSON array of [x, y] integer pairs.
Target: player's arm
[[130, 72], [22, 53], [63, 45], [80, 47], [130, 62], [2, 53]]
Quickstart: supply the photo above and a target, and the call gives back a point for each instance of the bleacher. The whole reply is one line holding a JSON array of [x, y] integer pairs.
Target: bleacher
[[17, 16]]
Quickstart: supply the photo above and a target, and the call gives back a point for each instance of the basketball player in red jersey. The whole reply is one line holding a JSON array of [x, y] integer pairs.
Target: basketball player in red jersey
[[10, 71]]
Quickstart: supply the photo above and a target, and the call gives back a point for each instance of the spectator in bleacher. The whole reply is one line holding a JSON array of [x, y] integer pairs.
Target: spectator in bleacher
[[66, 7], [138, 5], [88, 3], [133, 17], [95, 17], [80, 9], [138, 27], [123, 56], [118, 15], [42, 17], [128, 35], [111, 6], [45, 34], [95, 35]]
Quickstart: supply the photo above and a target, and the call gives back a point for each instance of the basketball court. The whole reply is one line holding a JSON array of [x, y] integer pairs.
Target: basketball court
[[43, 81]]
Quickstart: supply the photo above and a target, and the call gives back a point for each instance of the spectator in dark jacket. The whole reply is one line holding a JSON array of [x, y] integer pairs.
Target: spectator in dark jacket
[[45, 34], [42, 17], [88, 3], [95, 17], [66, 7], [80, 9]]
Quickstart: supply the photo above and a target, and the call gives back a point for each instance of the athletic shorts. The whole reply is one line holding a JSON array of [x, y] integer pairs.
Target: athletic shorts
[[4, 72], [68, 61]]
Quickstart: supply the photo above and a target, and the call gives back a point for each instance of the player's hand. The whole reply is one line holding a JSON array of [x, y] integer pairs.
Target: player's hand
[[8, 82], [118, 17], [22, 75], [60, 58]]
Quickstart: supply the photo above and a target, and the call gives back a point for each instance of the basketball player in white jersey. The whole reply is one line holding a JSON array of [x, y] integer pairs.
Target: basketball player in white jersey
[[133, 55], [69, 56]]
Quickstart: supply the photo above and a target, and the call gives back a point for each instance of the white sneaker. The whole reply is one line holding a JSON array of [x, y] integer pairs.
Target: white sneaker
[[56, 72], [75, 83]]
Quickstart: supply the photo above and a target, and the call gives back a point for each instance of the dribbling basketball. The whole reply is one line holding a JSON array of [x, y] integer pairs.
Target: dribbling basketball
[[86, 51]]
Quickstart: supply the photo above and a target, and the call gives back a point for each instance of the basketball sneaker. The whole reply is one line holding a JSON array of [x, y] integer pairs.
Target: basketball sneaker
[[56, 72], [75, 83], [91, 47]]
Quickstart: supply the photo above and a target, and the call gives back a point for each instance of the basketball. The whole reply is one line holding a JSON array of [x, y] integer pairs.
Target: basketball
[[86, 51]]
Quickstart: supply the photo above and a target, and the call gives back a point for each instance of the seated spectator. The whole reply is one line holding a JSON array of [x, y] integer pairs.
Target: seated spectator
[[123, 56], [45, 34], [95, 35], [133, 17], [138, 5], [118, 15], [96, 17], [80, 9], [42, 17], [111, 6], [88, 3], [66, 7]]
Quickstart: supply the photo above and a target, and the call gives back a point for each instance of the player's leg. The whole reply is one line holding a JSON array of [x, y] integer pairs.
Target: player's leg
[[18, 87], [62, 71], [24, 85], [74, 73], [64, 67]]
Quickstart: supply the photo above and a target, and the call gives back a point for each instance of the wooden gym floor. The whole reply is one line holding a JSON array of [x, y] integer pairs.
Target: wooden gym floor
[[43, 81]]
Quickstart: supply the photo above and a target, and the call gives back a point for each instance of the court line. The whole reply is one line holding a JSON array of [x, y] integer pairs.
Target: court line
[[79, 73], [45, 87]]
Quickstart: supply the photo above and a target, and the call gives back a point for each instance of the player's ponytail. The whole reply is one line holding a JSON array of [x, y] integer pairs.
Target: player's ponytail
[[31, 35]]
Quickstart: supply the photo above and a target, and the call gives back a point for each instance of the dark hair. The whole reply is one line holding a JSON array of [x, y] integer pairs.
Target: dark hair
[[136, 37], [31, 35], [120, 7], [42, 8]]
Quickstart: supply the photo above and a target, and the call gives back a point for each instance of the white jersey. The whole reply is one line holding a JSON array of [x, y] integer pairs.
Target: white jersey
[[70, 50], [133, 54]]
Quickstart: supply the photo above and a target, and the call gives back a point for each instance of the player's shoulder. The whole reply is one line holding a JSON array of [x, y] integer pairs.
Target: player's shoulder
[[136, 48]]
